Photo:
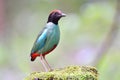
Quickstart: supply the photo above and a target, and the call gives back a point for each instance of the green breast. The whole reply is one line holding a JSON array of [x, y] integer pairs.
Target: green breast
[[53, 37]]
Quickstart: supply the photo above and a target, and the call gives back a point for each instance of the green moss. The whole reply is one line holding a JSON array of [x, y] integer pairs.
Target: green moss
[[67, 73]]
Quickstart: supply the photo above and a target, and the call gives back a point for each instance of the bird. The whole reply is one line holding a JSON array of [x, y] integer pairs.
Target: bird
[[48, 39]]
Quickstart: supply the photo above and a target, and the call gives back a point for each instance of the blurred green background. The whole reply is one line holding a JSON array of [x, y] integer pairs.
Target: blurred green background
[[84, 34]]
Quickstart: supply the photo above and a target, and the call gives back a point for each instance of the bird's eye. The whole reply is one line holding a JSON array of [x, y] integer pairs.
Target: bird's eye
[[55, 13]]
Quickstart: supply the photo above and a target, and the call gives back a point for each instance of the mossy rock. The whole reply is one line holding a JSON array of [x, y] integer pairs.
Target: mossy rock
[[67, 73]]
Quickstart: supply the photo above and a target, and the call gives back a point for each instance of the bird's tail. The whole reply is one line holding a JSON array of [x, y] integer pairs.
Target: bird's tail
[[34, 55]]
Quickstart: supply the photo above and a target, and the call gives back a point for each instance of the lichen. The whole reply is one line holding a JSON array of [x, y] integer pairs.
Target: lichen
[[67, 73]]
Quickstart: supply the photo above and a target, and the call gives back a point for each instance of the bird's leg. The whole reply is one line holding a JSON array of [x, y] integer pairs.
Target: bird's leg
[[42, 61], [48, 65]]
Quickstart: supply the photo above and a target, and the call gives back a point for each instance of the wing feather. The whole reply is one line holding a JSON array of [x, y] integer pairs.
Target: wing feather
[[40, 41]]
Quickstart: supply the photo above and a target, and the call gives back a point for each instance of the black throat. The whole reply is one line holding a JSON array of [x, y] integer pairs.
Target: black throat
[[54, 19]]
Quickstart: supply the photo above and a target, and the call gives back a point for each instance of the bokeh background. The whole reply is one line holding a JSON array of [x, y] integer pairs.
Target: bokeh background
[[89, 36]]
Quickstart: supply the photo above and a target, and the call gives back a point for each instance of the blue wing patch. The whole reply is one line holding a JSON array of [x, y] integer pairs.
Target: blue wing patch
[[40, 41]]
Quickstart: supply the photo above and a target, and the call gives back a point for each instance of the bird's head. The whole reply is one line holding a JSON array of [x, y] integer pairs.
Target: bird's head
[[55, 15]]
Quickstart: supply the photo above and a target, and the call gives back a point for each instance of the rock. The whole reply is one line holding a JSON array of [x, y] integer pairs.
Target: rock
[[67, 73]]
